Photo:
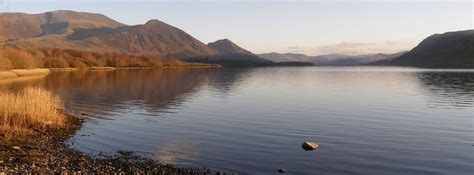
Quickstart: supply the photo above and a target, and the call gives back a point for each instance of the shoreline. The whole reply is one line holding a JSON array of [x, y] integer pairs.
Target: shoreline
[[131, 68], [20, 73], [47, 152], [26, 74]]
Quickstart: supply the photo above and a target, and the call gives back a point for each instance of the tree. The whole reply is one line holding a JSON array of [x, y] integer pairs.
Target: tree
[[5, 63]]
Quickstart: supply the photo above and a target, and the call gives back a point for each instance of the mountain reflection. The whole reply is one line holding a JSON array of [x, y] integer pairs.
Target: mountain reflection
[[454, 88], [225, 80], [99, 92]]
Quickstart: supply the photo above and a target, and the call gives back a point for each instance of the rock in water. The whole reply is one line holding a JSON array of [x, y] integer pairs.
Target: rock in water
[[282, 171], [308, 146]]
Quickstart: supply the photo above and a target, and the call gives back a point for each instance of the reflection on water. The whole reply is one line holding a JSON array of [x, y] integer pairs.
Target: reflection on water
[[367, 120], [454, 88], [105, 91]]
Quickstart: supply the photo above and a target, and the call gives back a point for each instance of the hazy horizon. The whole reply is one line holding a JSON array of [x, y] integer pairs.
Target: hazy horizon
[[308, 27]]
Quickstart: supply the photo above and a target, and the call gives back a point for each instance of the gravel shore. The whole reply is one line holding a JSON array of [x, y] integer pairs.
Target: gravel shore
[[46, 152]]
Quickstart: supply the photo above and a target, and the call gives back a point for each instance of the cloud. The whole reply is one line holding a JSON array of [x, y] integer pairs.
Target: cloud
[[295, 47]]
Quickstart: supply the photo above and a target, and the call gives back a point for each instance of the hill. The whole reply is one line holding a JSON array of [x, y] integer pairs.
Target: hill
[[97, 33], [22, 26], [228, 50], [447, 50]]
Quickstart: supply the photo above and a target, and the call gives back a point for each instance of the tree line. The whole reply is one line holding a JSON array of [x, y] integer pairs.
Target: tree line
[[17, 57]]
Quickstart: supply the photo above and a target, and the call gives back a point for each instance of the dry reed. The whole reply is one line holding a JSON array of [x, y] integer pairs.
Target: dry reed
[[33, 109]]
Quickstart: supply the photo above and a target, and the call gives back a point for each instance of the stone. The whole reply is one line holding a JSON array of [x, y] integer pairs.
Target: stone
[[16, 147], [282, 170], [308, 146]]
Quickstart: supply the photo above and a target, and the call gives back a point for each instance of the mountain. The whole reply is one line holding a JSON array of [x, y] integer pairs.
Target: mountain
[[229, 50], [23, 26], [329, 60], [153, 38], [97, 33], [225, 46], [447, 50]]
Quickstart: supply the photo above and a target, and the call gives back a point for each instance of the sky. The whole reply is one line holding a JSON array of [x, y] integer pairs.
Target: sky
[[312, 27]]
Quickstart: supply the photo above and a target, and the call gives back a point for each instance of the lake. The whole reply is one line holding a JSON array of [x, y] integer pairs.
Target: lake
[[366, 120]]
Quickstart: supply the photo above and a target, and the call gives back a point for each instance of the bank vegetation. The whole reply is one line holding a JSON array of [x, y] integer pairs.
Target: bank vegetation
[[16, 57], [31, 110]]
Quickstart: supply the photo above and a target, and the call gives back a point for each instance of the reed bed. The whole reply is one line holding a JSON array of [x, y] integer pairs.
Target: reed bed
[[32, 109]]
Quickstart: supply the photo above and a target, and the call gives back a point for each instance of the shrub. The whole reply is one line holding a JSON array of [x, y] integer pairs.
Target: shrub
[[5, 63], [55, 63], [77, 64], [20, 59]]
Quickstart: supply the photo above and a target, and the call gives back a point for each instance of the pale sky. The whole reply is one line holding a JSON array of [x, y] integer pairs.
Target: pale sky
[[301, 26]]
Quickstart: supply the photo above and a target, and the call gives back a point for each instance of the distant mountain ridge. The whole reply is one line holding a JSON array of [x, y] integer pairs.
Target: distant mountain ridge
[[97, 33], [285, 57], [330, 60]]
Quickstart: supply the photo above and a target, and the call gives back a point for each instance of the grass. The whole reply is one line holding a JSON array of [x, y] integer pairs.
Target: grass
[[30, 72], [22, 72], [31, 110], [7, 74]]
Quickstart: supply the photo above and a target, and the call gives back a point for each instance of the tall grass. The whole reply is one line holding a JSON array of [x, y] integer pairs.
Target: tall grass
[[33, 109]]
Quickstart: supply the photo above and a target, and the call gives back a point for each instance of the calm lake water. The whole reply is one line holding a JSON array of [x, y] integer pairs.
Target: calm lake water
[[367, 120]]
